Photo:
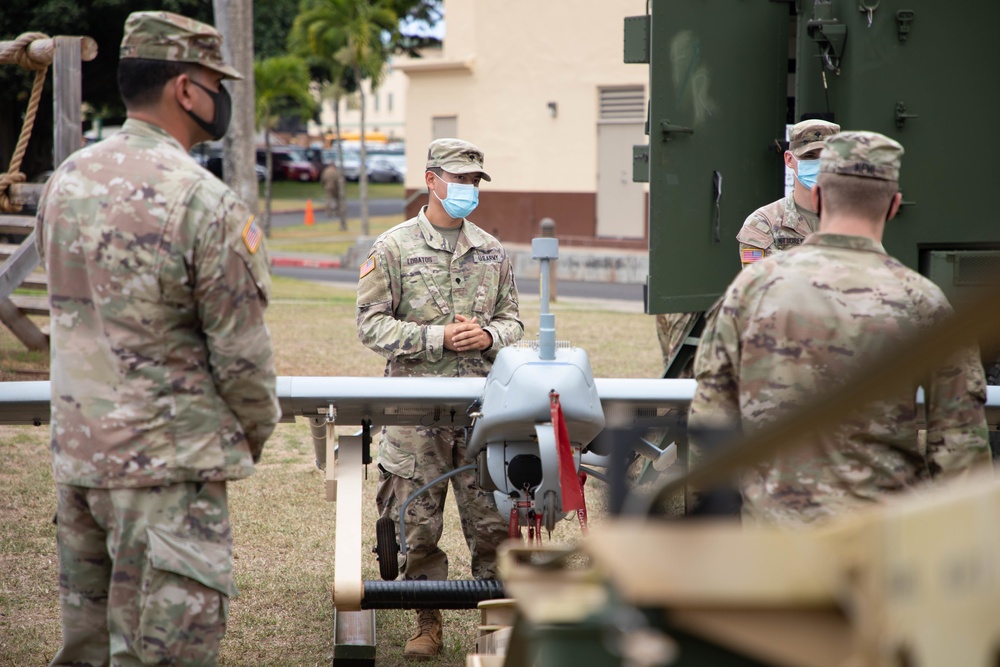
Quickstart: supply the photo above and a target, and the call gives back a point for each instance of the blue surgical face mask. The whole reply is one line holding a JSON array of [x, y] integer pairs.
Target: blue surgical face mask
[[808, 171], [462, 198]]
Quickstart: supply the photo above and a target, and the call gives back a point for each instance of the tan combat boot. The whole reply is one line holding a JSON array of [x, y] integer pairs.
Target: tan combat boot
[[426, 641]]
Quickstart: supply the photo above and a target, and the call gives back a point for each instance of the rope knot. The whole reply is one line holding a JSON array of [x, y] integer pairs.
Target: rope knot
[[7, 180], [20, 48], [22, 53]]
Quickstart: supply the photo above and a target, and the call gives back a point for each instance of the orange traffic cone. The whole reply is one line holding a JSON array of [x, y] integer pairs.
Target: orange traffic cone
[[310, 220]]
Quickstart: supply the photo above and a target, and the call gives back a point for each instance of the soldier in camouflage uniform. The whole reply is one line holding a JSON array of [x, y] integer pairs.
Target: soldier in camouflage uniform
[[436, 298], [804, 319], [163, 384], [778, 226], [785, 223]]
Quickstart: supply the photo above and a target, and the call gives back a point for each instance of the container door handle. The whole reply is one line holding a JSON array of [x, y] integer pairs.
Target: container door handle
[[669, 128]]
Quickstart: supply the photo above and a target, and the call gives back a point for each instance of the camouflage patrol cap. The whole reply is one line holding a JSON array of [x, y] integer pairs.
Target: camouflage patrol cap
[[809, 135], [865, 154], [167, 36], [456, 157]]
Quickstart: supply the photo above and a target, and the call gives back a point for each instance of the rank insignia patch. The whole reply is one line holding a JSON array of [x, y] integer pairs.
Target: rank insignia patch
[[751, 255], [367, 267], [252, 235]]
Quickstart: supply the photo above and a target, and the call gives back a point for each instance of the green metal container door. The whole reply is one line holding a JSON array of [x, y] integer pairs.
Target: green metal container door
[[921, 72], [718, 102]]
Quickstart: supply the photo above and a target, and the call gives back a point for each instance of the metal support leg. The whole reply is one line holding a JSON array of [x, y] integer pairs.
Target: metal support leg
[[354, 629]]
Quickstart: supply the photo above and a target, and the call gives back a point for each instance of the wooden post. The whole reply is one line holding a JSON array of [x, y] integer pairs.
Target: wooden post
[[66, 54], [67, 97]]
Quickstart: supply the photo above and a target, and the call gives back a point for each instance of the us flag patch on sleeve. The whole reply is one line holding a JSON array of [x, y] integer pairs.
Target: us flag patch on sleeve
[[367, 267], [252, 235], [751, 255]]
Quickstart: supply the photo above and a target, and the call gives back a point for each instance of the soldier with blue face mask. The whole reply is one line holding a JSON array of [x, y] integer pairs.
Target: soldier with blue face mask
[[785, 223], [437, 298], [780, 225]]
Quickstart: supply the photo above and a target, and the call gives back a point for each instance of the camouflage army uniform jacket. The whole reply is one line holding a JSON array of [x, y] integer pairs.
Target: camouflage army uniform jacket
[[797, 324], [412, 286], [778, 226], [161, 364]]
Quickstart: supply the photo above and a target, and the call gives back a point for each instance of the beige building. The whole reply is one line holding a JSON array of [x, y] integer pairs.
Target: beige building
[[542, 88]]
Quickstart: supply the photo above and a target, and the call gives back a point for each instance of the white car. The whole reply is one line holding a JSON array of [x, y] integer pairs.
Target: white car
[[352, 162], [383, 166]]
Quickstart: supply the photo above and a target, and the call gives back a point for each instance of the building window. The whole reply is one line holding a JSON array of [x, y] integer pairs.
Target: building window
[[376, 96], [389, 103]]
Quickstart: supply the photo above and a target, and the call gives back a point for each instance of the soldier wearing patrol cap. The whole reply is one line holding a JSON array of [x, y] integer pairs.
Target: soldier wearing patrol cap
[[780, 225], [786, 222], [798, 323], [162, 371], [436, 298]]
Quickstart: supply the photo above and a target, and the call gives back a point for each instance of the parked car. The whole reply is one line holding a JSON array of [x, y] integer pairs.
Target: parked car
[[211, 159], [382, 170], [382, 166], [352, 162], [289, 164], [299, 170]]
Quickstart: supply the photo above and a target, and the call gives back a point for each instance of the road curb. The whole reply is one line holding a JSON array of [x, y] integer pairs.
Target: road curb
[[306, 263]]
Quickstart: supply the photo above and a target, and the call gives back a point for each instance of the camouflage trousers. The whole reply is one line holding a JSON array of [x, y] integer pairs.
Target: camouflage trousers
[[145, 574], [332, 202], [408, 458], [671, 330]]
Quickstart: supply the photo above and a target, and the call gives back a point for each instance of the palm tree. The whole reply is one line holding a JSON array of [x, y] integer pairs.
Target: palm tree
[[356, 34], [277, 81]]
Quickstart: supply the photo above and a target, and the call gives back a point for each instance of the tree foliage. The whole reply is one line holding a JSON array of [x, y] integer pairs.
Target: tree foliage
[[102, 20], [355, 36], [280, 83], [272, 21]]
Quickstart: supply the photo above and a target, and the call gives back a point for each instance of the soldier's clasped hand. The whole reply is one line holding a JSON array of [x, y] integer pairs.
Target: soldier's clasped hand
[[465, 334]]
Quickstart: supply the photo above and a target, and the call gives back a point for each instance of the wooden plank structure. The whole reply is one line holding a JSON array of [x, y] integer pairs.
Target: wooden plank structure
[[21, 261]]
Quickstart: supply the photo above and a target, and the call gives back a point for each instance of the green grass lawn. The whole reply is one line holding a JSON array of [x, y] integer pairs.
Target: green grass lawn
[[283, 528], [301, 191], [325, 237]]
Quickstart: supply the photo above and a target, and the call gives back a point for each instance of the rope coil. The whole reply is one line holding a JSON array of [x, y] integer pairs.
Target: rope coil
[[18, 51]]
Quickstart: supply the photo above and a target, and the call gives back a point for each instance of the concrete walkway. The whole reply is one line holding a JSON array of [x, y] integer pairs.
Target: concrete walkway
[[601, 265]]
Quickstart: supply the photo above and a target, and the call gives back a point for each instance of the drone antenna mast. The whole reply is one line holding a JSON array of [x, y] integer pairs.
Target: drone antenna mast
[[545, 250]]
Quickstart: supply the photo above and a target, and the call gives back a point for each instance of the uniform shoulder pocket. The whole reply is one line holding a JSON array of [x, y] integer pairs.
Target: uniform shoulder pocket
[[753, 234], [374, 280], [248, 243]]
